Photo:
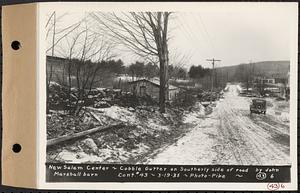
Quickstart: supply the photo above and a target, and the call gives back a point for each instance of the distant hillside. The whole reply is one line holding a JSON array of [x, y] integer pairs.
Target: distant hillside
[[268, 69]]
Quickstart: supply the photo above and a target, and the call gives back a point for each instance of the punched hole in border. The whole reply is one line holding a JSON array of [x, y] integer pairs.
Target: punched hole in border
[[16, 45], [16, 148]]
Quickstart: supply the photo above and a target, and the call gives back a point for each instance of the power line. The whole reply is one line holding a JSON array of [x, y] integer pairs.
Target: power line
[[205, 29], [190, 32], [194, 34]]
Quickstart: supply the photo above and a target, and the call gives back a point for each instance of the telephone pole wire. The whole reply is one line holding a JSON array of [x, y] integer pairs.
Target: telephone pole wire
[[212, 80]]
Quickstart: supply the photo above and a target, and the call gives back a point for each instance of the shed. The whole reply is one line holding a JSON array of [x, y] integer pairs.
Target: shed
[[145, 87]]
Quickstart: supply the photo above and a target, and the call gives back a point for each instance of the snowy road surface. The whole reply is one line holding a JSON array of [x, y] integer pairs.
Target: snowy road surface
[[230, 135]]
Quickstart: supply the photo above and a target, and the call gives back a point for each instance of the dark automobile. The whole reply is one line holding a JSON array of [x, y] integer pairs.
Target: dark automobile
[[258, 106]]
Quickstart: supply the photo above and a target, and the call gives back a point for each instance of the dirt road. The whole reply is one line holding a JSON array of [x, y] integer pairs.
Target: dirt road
[[230, 135]]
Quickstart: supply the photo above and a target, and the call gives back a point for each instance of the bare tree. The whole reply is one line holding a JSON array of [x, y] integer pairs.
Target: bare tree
[[87, 50], [176, 64], [50, 72], [144, 33], [56, 37]]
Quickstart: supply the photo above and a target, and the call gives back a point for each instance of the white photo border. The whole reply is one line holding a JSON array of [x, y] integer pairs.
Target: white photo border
[[149, 6]]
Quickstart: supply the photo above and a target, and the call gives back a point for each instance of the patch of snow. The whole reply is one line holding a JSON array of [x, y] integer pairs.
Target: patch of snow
[[53, 83], [89, 142], [198, 152], [226, 88], [141, 148], [197, 112], [100, 89], [239, 88], [77, 157], [182, 80], [131, 109], [121, 114], [156, 126], [279, 110], [192, 118]]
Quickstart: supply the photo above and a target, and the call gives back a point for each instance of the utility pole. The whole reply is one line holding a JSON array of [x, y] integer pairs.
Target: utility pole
[[227, 77], [212, 80], [252, 73]]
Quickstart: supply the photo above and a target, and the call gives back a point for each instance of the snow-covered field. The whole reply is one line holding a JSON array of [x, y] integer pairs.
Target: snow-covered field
[[230, 135]]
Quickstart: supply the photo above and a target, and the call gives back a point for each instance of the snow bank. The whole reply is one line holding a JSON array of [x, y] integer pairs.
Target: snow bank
[[279, 110], [52, 83], [197, 111], [121, 114], [239, 88], [194, 148], [226, 88], [156, 125], [131, 116]]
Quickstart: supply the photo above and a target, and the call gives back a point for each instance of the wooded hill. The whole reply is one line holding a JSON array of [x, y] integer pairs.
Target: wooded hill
[[268, 69]]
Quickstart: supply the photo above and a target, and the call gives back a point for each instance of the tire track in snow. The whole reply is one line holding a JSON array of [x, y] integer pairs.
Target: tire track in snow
[[230, 129], [231, 137], [253, 144]]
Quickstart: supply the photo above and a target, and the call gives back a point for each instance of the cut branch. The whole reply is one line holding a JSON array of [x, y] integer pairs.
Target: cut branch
[[66, 138]]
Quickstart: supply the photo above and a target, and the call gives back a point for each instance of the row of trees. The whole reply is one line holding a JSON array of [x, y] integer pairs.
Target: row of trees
[[204, 76], [105, 68], [140, 69], [150, 70], [198, 72]]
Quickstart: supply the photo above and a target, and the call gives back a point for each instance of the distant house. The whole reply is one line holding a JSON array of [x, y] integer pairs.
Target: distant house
[[275, 85], [269, 81], [265, 80], [145, 87], [280, 80]]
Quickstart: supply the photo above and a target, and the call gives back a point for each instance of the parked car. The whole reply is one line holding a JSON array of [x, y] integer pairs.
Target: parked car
[[258, 106]]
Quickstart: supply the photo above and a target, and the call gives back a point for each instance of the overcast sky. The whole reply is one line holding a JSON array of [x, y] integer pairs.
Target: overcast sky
[[232, 35]]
